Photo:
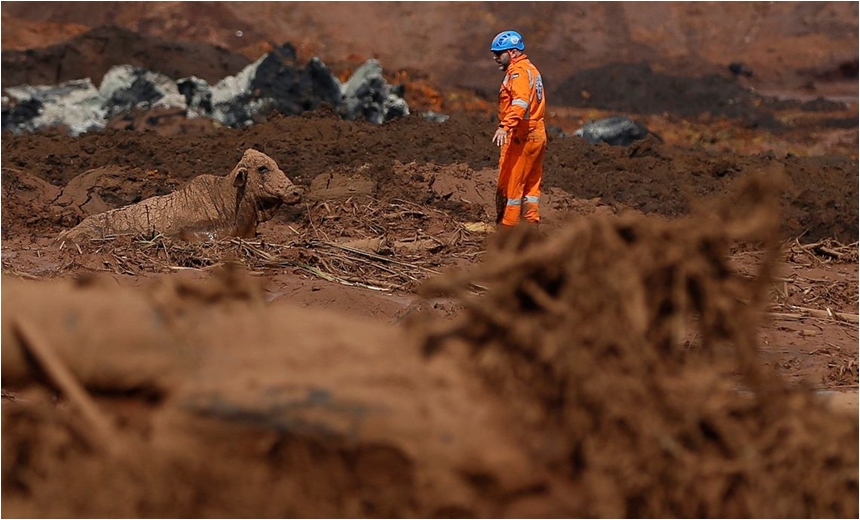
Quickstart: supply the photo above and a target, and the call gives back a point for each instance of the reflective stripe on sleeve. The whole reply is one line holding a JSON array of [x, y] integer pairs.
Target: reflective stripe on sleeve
[[532, 200], [515, 202], [522, 103]]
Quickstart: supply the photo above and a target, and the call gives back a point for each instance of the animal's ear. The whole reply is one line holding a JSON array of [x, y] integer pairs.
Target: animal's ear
[[240, 178]]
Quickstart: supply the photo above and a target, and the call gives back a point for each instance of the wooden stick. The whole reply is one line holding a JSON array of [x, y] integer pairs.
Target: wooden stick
[[830, 252], [102, 435], [815, 313], [830, 314]]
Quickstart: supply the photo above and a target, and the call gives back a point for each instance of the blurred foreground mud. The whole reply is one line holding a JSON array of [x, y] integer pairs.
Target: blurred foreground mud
[[608, 368]]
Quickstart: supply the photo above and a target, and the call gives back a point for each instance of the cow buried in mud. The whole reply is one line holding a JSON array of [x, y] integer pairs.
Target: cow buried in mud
[[207, 207]]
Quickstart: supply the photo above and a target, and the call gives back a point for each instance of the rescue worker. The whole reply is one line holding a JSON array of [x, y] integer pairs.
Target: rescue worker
[[521, 133]]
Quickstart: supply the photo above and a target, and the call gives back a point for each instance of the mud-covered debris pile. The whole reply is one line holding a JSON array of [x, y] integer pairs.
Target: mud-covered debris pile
[[273, 83], [634, 342], [382, 245]]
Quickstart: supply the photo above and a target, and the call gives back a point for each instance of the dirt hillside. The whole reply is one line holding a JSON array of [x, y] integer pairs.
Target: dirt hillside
[[786, 44]]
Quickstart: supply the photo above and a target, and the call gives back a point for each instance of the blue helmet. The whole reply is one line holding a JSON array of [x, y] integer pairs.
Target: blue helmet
[[508, 40]]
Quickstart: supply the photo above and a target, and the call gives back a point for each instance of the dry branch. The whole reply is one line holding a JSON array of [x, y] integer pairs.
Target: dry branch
[[101, 435]]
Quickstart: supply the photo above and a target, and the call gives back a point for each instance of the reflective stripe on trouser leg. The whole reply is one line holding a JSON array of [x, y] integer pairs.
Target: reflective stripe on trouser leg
[[531, 209], [510, 186], [513, 209], [535, 149], [520, 172]]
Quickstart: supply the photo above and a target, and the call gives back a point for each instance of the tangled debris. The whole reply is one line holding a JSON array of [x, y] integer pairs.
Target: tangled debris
[[351, 242], [823, 251]]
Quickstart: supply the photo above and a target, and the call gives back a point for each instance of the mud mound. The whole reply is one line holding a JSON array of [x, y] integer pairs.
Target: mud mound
[[567, 390], [821, 199], [586, 335], [26, 203], [32, 205], [101, 189], [637, 89], [92, 54]]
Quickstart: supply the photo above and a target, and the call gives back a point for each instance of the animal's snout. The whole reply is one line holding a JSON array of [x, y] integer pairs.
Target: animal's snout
[[293, 195], [281, 187]]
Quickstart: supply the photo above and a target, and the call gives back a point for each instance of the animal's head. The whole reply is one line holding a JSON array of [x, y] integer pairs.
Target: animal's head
[[259, 174]]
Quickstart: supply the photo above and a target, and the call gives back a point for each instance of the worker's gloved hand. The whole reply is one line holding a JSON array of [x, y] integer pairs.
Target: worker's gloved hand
[[500, 137]]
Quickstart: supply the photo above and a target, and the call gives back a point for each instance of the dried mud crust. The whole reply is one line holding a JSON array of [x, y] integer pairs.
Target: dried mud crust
[[820, 198], [531, 402]]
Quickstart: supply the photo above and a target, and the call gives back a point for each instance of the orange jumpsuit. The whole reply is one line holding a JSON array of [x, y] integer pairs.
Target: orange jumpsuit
[[522, 105]]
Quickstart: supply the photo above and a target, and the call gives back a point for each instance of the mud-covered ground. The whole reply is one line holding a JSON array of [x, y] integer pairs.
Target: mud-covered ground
[[679, 338], [386, 210]]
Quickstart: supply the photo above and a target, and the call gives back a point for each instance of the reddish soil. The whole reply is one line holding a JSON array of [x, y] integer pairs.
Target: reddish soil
[[380, 351]]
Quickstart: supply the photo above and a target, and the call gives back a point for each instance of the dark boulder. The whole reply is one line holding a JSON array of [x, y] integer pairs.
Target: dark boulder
[[614, 130]]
